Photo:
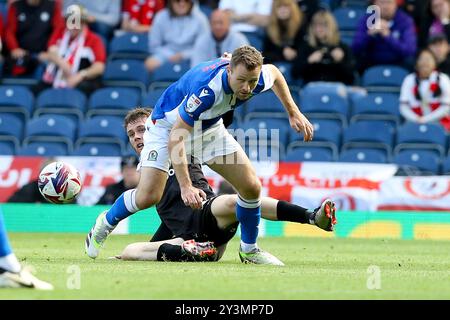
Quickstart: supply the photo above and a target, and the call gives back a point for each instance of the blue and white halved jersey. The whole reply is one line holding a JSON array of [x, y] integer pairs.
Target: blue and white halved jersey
[[203, 94]]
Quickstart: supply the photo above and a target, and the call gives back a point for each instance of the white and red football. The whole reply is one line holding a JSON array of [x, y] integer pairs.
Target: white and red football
[[59, 182]]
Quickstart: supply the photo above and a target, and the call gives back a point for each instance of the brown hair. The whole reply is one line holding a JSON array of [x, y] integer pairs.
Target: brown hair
[[333, 36], [136, 114], [279, 31], [172, 11], [248, 56]]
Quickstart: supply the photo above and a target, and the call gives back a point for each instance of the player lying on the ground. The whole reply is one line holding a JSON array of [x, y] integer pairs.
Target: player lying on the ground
[[211, 227], [199, 99], [12, 274]]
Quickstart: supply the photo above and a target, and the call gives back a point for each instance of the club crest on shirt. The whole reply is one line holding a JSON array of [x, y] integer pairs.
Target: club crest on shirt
[[153, 155], [193, 103]]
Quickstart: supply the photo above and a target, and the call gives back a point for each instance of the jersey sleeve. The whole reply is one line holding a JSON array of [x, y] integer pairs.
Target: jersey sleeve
[[265, 81], [195, 104]]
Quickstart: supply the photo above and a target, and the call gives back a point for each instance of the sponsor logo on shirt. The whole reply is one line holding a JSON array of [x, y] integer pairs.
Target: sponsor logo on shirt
[[193, 103]]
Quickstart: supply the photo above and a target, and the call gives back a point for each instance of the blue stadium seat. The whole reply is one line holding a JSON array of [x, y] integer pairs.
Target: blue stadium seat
[[129, 151], [102, 129], [100, 149], [43, 148], [11, 126], [167, 73], [369, 134], [324, 130], [285, 68], [7, 148], [51, 128], [421, 136], [113, 101], [129, 46], [325, 100], [152, 97], [384, 78], [348, 18], [306, 153], [381, 106], [254, 129], [363, 155], [446, 166], [126, 72], [66, 101], [255, 39], [206, 9], [264, 104], [347, 39], [18, 100], [424, 160], [263, 151]]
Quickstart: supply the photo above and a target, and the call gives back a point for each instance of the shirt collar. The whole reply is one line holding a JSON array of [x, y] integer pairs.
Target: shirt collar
[[225, 85]]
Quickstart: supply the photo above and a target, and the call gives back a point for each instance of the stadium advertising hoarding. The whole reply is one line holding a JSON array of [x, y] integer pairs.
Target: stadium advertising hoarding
[[372, 202]]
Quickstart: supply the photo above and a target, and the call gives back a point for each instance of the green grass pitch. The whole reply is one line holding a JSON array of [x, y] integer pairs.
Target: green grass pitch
[[315, 268]]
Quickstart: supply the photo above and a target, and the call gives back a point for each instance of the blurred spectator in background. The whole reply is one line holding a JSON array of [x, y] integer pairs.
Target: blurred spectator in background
[[248, 15], [425, 94], [138, 15], [1, 44], [323, 57], [309, 8], [438, 44], [417, 9], [76, 56], [392, 40], [102, 15], [435, 20], [29, 193], [30, 24], [130, 179], [174, 32], [212, 45], [225, 188], [284, 33]]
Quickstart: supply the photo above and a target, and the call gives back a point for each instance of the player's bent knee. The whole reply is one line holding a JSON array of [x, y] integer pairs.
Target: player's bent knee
[[252, 190], [145, 200]]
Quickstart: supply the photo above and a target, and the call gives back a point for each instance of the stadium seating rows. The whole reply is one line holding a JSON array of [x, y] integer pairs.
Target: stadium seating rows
[[348, 126]]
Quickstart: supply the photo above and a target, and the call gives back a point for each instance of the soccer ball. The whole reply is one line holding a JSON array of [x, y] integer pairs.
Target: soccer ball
[[59, 182]]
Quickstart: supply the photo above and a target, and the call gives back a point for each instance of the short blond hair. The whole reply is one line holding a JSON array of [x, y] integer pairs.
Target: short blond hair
[[248, 56], [136, 114]]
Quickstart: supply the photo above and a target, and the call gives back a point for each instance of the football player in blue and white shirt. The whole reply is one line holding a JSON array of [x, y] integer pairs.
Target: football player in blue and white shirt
[[187, 120], [12, 274]]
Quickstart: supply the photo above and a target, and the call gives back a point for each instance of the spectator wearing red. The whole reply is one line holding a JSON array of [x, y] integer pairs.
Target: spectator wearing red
[[138, 14], [425, 94], [29, 26], [1, 41], [435, 20], [76, 56]]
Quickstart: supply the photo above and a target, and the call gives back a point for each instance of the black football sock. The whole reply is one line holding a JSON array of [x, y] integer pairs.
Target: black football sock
[[290, 212], [169, 252]]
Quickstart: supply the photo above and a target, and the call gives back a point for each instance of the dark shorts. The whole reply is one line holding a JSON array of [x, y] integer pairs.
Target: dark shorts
[[206, 229]]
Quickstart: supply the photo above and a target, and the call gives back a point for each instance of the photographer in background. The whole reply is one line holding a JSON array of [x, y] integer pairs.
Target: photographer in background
[[130, 179]]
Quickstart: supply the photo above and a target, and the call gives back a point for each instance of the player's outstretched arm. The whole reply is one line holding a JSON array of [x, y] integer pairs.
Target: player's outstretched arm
[[191, 196], [297, 120]]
